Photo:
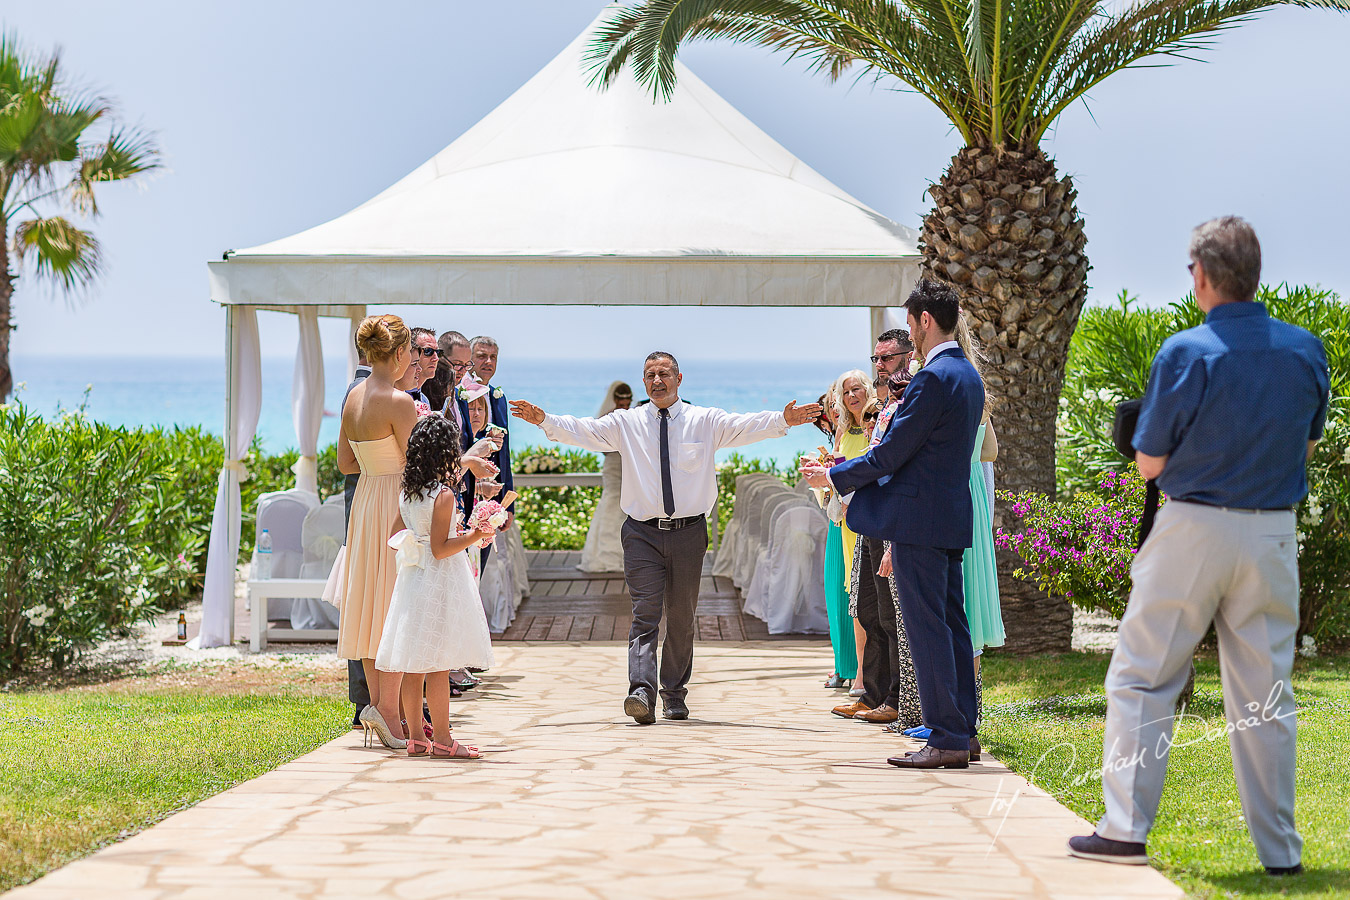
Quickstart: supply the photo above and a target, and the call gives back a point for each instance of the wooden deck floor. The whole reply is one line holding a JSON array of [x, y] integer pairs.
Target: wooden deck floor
[[566, 604]]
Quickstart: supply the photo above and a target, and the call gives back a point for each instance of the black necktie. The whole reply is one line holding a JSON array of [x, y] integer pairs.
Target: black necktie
[[667, 490]]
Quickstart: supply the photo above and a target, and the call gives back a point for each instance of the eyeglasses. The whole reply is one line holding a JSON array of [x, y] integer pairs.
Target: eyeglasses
[[1190, 267], [427, 352], [878, 360], [458, 366]]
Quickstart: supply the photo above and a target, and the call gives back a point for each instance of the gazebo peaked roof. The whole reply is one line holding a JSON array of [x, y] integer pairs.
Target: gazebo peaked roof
[[568, 194]]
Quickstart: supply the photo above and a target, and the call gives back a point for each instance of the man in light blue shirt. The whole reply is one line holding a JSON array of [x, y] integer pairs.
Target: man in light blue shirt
[[1233, 410]]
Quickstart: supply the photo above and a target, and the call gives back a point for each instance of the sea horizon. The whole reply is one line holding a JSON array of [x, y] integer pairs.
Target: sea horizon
[[169, 390]]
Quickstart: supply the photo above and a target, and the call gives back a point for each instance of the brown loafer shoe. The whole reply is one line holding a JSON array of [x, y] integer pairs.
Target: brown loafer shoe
[[975, 749], [932, 758], [879, 716], [849, 710]]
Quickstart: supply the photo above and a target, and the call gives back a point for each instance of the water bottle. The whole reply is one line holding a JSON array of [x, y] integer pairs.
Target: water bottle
[[263, 558]]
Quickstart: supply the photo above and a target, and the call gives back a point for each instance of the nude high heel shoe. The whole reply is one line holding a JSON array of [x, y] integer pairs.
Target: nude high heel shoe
[[374, 722]]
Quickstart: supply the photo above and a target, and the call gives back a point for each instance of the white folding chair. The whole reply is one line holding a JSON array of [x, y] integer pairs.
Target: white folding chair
[[324, 530]]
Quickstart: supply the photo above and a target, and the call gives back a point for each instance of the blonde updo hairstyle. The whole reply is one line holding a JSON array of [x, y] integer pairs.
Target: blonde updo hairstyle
[[380, 337]]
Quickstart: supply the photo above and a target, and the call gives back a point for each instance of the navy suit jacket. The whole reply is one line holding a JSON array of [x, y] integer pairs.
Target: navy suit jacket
[[914, 486], [501, 417]]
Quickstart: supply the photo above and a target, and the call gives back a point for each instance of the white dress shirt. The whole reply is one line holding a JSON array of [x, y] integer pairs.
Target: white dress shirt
[[696, 434]]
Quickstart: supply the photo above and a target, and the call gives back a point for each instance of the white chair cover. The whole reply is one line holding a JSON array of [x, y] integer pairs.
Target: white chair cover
[[792, 597], [750, 541], [322, 535], [758, 533], [723, 563], [283, 514], [504, 582], [756, 592]]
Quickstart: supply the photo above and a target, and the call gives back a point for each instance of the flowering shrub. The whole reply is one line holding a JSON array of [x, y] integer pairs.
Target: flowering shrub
[[1109, 359], [555, 518], [1080, 549], [1324, 534]]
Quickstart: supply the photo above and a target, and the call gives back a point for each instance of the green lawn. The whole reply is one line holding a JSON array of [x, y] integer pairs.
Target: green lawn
[[1044, 718], [82, 769]]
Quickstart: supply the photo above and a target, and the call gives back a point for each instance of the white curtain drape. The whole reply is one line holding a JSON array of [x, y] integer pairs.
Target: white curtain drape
[[307, 400], [244, 401]]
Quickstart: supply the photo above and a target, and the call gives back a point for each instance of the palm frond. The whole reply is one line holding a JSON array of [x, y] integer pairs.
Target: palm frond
[[831, 35], [126, 154], [61, 252], [1145, 30]]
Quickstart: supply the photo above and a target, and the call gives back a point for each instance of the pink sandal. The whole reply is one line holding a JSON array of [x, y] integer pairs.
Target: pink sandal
[[456, 750], [413, 744]]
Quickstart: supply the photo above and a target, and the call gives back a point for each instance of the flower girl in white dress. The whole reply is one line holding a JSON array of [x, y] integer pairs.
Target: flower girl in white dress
[[435, 621]]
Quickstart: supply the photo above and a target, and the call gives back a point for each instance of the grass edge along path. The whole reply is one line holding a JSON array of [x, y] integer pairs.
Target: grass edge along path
[[1044, 717], [82, 770]]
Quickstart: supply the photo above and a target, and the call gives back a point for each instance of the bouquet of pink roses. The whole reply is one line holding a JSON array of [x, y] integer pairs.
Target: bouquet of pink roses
[[490, 515]]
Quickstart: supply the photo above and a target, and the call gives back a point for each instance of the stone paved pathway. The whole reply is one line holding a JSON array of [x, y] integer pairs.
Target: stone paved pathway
[[760, 794]]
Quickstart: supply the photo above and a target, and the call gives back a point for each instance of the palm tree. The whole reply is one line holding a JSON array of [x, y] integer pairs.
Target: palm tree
[[1004, 229], [57, 144]]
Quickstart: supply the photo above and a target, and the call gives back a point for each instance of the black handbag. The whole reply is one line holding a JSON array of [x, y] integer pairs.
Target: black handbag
[[1122, 435]]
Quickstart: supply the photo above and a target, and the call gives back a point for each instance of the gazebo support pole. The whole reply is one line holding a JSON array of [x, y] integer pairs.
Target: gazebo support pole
[[231, 410], [877, 323], [354, 316]]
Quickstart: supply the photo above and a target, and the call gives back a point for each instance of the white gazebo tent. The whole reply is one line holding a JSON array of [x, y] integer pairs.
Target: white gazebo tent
[[563, 194]]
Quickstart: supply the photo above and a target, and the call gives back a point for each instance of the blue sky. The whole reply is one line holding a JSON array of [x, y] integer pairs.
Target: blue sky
[[277, 116]]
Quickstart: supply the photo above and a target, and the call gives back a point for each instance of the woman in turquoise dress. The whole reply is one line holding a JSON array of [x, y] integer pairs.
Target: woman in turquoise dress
[[979, 570], [836, 585]]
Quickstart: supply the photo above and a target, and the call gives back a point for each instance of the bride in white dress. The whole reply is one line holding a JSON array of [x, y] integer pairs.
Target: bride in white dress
[[604, 547]]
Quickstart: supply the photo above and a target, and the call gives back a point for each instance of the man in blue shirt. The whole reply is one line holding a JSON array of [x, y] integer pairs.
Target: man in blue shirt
[[1233, 410]]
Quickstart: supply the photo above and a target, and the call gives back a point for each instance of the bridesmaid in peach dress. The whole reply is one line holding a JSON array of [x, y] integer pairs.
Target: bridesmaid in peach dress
[[376, 422]]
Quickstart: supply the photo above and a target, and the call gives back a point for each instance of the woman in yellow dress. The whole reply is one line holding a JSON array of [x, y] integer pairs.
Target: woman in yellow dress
[[853, 396]]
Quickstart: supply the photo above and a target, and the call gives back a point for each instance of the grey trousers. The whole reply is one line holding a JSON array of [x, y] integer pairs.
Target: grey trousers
[[1238, 570], [662, 570]]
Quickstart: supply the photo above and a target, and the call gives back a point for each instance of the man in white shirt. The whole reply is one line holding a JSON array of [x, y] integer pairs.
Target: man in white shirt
[[669, 484]]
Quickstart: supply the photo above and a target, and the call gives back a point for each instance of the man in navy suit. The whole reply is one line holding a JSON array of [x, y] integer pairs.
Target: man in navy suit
[[913, 489]]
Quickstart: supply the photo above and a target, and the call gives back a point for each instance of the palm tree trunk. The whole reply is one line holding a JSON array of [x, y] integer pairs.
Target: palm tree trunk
[[6, 293], [1005, 231]]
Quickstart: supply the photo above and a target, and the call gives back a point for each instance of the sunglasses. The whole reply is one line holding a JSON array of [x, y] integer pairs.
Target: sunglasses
[[877, 360], [427, 352]]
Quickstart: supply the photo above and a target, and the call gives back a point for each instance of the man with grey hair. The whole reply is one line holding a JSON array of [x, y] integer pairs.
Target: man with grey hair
[[1228, 443], [668, 452]]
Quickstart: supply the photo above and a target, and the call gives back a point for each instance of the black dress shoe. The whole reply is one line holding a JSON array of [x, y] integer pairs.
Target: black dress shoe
[[675, 709], [1094, 846], [975, 749], [639, 707], [932, 758], [1295, 869]]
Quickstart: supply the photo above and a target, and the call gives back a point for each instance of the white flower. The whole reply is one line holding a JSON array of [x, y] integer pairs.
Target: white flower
[[1346, 459], [498, 393], [1312, 514], [38, 615], [1309, 648]]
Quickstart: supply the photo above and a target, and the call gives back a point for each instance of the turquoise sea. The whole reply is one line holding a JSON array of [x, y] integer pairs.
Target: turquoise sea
[[190, 391]]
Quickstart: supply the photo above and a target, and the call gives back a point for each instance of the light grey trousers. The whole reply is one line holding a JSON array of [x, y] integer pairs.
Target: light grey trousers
[[1238, 570]]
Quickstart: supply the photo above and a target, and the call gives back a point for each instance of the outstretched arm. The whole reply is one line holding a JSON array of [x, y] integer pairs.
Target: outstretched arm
[[600, 435], [739, 429]]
